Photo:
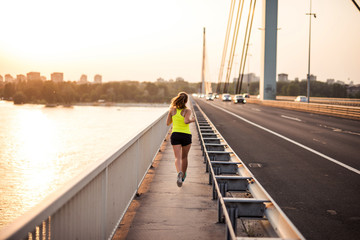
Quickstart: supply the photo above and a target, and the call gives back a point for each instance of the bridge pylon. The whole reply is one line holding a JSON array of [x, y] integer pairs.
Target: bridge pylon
[[205, 85], [268, 52]]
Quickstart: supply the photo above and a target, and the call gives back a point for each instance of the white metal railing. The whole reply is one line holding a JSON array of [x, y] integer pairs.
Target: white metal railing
[[92, 205]]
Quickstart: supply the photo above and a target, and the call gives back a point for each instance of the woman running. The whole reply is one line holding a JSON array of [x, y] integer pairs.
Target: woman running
[[180, 116]]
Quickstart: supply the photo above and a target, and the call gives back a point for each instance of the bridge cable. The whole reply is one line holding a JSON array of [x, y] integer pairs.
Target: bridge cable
[[233, 45], [246, 43], [356, 5], [226, 43]]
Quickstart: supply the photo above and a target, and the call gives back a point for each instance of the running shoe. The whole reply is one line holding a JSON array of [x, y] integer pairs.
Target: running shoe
[[179, 179], [183, 179]]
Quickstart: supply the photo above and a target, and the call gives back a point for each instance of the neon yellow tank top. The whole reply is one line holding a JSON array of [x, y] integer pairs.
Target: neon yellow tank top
[[178, 123]]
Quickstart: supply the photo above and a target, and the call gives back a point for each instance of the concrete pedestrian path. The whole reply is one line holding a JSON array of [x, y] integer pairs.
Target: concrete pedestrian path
[[164, 211]]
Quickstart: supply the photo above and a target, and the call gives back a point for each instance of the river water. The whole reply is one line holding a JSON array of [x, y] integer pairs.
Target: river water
[[42, 148]]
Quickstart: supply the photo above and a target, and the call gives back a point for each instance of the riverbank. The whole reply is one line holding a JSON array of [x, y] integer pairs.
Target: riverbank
[[110, 104], [101, 104]]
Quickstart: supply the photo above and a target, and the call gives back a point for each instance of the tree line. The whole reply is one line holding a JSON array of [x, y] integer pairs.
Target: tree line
[[67, 93]]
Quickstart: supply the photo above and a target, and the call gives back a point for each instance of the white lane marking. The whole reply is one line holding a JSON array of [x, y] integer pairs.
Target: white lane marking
[[291, 118], [322, 142], [339, 130], [294, 142], [256, 109]]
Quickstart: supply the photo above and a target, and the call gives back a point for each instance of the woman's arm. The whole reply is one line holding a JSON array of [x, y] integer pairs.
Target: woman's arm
[[169, 117], [187, 118]]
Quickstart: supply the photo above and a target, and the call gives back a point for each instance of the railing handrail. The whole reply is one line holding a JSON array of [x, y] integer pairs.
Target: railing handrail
[[52, 203]]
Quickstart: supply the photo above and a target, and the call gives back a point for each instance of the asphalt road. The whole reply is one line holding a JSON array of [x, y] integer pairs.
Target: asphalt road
[[310, 163]]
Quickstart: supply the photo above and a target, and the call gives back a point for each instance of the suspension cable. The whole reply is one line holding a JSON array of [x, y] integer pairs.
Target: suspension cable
[[226, 43], [233, 44], [246, 43], [356, 5]]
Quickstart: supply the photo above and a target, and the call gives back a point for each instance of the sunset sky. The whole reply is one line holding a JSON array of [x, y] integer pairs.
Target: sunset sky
[[147, 39]]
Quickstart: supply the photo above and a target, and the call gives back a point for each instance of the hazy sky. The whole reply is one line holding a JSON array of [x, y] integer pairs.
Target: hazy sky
[[147, 39]]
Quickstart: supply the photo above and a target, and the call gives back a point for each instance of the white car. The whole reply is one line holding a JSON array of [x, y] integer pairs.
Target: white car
[[210, 96], [300, 99], [239, 99], [226, 97]]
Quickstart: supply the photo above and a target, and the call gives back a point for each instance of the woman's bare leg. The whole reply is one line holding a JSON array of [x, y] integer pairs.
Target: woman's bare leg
[[177, 152], [184, 157]]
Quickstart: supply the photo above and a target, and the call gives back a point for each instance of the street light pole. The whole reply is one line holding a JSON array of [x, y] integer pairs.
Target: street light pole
[[308, 75]]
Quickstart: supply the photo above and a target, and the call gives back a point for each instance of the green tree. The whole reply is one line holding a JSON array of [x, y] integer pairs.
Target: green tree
[[49, 92], [338, 91], [67, 93], [293, 89], [9, 91], [19, 98]]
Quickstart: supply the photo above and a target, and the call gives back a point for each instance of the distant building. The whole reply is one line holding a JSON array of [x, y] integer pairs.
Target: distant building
[[283, 77], [97, 78], [83, 79], [179, 79], [340, 82], [33, 76], [8, 78], [57, 77], [312, 78], [330, 81], [20, 78], [43, 78], [1, 79]]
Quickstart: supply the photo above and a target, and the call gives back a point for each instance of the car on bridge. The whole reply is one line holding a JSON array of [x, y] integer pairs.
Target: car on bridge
[[210, 97], [300, 99], [239, 99], [226, 97]]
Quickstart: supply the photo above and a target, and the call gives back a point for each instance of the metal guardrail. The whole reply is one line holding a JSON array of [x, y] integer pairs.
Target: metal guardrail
[[92, 205], [229, 176], [325, 109], [355, 102]]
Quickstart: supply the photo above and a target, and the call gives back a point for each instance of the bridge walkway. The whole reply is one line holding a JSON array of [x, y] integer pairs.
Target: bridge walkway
[[165, 211]]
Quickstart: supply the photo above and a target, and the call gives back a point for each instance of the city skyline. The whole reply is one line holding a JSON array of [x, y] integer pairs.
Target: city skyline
[[97, 78], [163, 39], [55, 76]]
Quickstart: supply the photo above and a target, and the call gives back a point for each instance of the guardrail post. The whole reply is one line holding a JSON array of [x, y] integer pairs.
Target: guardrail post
[[220, 218], [214, 191], [222, 187], [232, 215]]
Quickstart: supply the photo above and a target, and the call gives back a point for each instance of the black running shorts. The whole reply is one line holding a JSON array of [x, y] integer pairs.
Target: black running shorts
[[180, 138]]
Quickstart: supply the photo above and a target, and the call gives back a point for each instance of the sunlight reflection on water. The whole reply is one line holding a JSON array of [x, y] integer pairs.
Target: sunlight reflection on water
[[42, 148]]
